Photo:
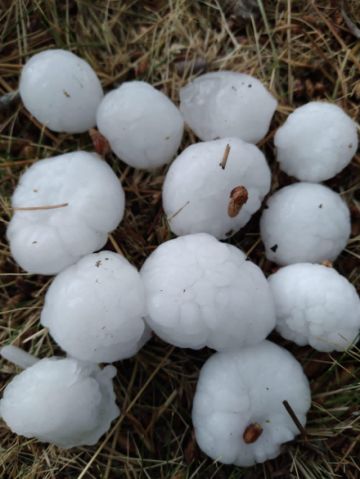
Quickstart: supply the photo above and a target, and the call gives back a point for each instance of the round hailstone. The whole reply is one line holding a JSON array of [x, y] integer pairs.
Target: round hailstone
[[304, 222], [238, 412], [200, 191], [61, 90], [65, 207], [95, 309], [143, 126], [316, 142], [62, 401], [201, 292], [316, 305], [224, 104]]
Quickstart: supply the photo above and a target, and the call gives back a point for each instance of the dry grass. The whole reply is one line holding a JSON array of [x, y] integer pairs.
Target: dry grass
[[302, 50]]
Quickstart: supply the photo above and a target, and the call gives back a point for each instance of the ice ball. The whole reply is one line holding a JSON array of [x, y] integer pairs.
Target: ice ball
[[238, 412], [61, 91], [315, 305], [201, 292], [304, 222], [95, 309], [316, 142], [62, 401], [200, 188], [227, 104], [143, 126], [65, 207]]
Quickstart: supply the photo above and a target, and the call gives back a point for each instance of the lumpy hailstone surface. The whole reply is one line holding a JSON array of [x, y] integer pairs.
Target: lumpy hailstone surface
[[316, 142], [315, 305], [47, 241], [143, 126], [236, 389], [201, 292], [94, 309], [304, 222], [196, 190], [61, 401], [61, 90], [224, 104]]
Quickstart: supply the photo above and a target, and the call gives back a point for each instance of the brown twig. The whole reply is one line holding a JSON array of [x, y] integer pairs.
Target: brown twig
[[294, 417], [40, 208], [225, 157], [178, 211]]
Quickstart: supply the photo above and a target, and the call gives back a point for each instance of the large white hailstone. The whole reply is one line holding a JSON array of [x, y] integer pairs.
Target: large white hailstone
[[65, 207], [61, 90], [200, 190], [238, 412], [316, 142], [224, 104], [201, 292], [62, 401], [95, 309], [304, 222], [316, 305], [143, 126]]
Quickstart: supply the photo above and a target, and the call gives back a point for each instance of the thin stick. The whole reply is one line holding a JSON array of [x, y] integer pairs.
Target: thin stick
[[293, 416], [39, 208], [115, 245], [225, 157], [178, 211]]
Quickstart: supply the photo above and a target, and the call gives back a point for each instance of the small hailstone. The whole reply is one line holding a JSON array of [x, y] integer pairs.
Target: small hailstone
[[315, 305], [94, 309], [227, 104], [61, 90], [316, 142], [238, 412], [201, 292], [65, 207], [304, 222], [62, 401], [143, 126], [200, 187]]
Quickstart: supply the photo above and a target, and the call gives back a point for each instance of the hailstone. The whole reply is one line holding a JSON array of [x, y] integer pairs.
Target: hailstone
[[199, 187], [62, 401], [238, 411], [315, 305], [143, 126], [304, 222], [201, 292], [227, 104], [65, 207], [95, 309], [316, 142], [61, 90]]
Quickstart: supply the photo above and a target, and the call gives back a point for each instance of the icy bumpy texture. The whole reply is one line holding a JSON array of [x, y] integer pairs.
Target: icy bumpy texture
[[196, 190], [61, 90], [201, 292], [237, 389], [62, 401], [223, 104], [304, 222], [316, 142], [316, 305], [144, 128], [47, 241], [94, 310]]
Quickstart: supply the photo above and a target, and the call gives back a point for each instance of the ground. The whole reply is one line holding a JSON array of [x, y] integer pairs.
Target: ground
[[301, 50]]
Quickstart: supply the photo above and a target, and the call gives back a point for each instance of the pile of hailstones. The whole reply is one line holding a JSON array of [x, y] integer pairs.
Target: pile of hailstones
[[192, 291]]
